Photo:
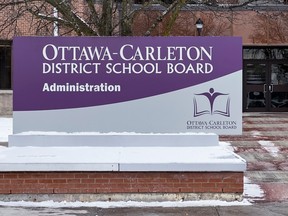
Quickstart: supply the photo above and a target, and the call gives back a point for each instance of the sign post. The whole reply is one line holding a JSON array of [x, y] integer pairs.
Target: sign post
[[141, 93]]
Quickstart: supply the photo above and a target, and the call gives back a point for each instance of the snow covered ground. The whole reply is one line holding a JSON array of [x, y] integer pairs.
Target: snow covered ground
[[252, 191], [125, 204]]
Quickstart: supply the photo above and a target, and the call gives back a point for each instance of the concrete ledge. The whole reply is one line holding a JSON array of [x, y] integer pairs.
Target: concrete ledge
[[45, 139], [139, 197], [56, 167], [168, 159]]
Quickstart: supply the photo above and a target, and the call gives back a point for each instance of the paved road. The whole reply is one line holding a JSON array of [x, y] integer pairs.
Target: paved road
[[264, 209]]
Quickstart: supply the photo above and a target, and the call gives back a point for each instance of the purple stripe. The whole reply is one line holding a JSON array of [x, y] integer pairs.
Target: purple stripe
[[29, 78]]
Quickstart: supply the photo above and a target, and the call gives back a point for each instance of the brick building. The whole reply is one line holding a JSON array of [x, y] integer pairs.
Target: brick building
[[262, 25]]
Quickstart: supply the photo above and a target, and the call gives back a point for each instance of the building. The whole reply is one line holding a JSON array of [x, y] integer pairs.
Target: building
[[261, 24]]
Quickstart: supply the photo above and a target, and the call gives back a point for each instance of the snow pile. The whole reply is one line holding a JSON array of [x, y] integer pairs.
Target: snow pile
[[125, 204], [269, 147], [252, 191]]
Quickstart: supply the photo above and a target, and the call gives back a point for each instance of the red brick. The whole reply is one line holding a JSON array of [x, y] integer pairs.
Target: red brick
[[5, 191], [194, 185], [10, 175], [229, 180], [53, 185], [37, 175], [172, 180], [60, 190], [60, 181], [101, 180], [17, 181], [208, 185], [73, 181], [31, 191], [177, 185], [82, 175], [87, 181], [5, 181], [185, 190], [200, 190], [31, 181], [80, 185], [130, 181], [95, 175], [89, 190], [215, 190], [201, 180], [60, 175], [144, 180], [232, 190], [14, 186], [215, 180], [45, 181], [222, 185], [115, 182], [95, 186]]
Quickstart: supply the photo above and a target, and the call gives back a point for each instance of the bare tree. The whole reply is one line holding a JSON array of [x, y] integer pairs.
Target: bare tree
[[269, 30], [105, 17]]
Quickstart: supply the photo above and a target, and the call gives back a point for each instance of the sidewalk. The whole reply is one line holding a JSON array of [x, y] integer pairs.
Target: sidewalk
[[264, 209], [264, 146], [272, 209]]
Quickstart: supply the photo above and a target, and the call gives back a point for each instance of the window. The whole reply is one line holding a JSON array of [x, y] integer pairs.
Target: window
[[5, 65], [265, 53]]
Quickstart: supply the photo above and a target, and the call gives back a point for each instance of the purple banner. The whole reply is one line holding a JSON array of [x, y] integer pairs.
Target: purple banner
[[73, 72]]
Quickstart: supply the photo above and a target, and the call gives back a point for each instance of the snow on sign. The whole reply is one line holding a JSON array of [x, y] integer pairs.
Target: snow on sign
[[128, 84]]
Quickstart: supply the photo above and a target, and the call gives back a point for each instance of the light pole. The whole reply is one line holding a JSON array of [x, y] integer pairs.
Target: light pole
[[199, 25], [55, 23]]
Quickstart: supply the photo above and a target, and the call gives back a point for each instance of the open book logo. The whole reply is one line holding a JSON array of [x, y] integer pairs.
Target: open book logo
[[211, 103]]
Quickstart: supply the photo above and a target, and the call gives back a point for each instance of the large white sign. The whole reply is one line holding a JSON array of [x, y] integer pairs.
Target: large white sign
[[128, 84]]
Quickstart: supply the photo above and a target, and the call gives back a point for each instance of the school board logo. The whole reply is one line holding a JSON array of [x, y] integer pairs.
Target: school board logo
[[211, 103]]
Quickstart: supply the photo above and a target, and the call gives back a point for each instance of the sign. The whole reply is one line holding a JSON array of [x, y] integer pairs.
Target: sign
[[127, 84]]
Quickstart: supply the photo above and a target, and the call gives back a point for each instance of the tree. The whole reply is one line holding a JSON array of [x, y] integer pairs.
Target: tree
[[101, 17], [269, 30]]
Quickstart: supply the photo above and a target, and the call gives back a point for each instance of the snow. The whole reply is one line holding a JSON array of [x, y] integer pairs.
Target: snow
[[269, 147], [256, 133], [5, 129], [105, 154], [119, 158], [104, 134], [125, 204], [251, 191], [226, 145]]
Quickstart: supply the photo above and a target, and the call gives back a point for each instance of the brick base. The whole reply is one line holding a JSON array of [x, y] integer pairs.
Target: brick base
[[119, 182]]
